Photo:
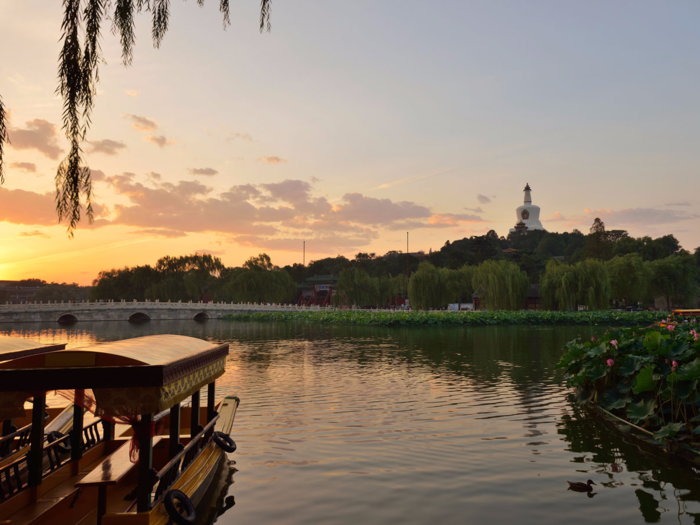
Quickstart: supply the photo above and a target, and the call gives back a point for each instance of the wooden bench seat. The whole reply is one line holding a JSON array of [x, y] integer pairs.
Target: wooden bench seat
[[110, 472]]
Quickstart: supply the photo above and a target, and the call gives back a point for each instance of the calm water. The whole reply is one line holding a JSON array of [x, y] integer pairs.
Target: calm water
[[424, 425]]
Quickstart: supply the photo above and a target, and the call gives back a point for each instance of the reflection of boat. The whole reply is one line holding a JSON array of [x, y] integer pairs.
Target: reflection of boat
[[128, 382]]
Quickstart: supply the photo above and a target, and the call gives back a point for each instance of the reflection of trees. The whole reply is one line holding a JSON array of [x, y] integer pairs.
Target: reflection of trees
[[660, 475]]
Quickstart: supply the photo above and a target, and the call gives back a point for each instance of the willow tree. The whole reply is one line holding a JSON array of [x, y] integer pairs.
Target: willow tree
[[78, 75], [426, 287], [594, 284], [501, 285], [559, 286], [629, 278], [356, 287]]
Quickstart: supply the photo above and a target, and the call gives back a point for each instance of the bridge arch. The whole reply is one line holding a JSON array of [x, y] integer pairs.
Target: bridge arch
[[202, 316], [67, 319], [139, 317]]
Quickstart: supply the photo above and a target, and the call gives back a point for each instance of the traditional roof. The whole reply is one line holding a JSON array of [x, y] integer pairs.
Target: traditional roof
[[16, 347], [130, 377]]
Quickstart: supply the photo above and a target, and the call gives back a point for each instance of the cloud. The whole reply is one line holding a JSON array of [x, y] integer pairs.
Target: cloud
[[329, 244], [203, 171], [243, 136], [153, 175], [97, 175], [40, 135], [483, 199], [27, 167], [160, 232], [641, 216], [35, 233], [143, 124], [368, 210], [160, 140], [678, 204], [438, 220], [271, 160], [557, 217], [210, 252], [27, 207], [106, 146], [475, 210], [132, 93]]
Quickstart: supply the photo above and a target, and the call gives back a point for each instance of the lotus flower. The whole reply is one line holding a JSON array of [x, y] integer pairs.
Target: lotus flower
[[671, 327], [614, 343], [592, 339], [611, 362]]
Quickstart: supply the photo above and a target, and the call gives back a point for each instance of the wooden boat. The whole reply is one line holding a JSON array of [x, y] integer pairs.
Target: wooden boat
[[132, 380], [15, 433]]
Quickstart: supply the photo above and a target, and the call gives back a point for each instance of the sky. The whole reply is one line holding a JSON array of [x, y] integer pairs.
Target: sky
[[352, 123]]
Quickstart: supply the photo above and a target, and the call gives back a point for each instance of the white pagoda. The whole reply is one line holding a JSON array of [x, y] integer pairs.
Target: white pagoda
[[528, 215]]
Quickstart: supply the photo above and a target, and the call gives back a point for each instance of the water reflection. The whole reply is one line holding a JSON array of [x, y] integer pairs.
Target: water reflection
[[348, 423]]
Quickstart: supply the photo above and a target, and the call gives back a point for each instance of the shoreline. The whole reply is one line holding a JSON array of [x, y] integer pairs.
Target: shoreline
[[445, 318]]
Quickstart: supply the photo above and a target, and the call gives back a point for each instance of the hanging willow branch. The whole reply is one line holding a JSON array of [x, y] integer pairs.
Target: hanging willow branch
[[78, 77], [3, 138]]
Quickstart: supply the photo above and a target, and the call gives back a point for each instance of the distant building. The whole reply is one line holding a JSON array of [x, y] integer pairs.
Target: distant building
[[318, 290], [528, 215], [19, 292]]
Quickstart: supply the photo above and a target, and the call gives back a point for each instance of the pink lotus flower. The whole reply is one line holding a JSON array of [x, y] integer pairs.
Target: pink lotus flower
[[694, 334], [671, 327], [673, 366], [610, 362], [614, 343], [592, 339]]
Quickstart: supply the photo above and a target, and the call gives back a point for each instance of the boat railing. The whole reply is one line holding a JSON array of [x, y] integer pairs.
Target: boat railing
[[12, 478], [170, 473], [11, 443]]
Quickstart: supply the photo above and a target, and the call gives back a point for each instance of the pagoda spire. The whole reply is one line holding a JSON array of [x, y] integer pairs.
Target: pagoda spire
[[528, 197]]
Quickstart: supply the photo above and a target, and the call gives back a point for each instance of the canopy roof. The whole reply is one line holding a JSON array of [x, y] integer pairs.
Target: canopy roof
[[16, 347], [129, 377]]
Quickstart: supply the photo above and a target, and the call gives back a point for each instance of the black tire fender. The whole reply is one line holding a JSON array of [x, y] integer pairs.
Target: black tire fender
[[224, 442], [189, 517]]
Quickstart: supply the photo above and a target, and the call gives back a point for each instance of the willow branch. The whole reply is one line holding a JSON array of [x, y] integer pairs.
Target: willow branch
[[4, 139], [265, 6]]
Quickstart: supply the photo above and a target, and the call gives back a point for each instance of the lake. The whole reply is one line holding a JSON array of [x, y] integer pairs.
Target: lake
[[356, 424]]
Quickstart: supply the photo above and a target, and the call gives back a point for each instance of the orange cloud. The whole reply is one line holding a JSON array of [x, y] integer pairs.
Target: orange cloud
[[40, 135], [272, 160]]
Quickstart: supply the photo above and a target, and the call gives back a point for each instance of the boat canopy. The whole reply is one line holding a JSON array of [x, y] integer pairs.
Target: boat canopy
[[128, 378], [16, 347]]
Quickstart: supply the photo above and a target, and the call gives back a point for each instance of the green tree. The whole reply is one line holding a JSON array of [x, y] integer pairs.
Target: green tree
[[629, 278], [675, 279], [426, 288], [78, 76], [501, 285], [593, 284], [559, 286]]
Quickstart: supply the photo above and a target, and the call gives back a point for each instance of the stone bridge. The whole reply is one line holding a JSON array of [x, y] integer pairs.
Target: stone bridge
[[129, 311]]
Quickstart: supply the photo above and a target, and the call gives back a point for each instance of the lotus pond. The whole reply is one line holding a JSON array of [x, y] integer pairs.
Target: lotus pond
[[346, 424]]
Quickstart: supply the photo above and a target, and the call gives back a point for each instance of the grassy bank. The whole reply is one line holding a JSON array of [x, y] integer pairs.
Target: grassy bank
[[418, 318]]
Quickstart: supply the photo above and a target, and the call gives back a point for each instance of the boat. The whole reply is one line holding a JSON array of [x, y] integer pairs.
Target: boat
[[131, 381], [15, 433]]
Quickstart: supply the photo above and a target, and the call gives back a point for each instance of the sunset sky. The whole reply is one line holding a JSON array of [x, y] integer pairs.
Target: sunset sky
[[352, 123]]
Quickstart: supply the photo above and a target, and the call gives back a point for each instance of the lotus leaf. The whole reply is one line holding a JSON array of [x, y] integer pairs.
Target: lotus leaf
[[645, 380], [690, 370], [652, 341], [669, 430], [630, 365], [684, 388], [596, 351], [641, 410], [597, 371]]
